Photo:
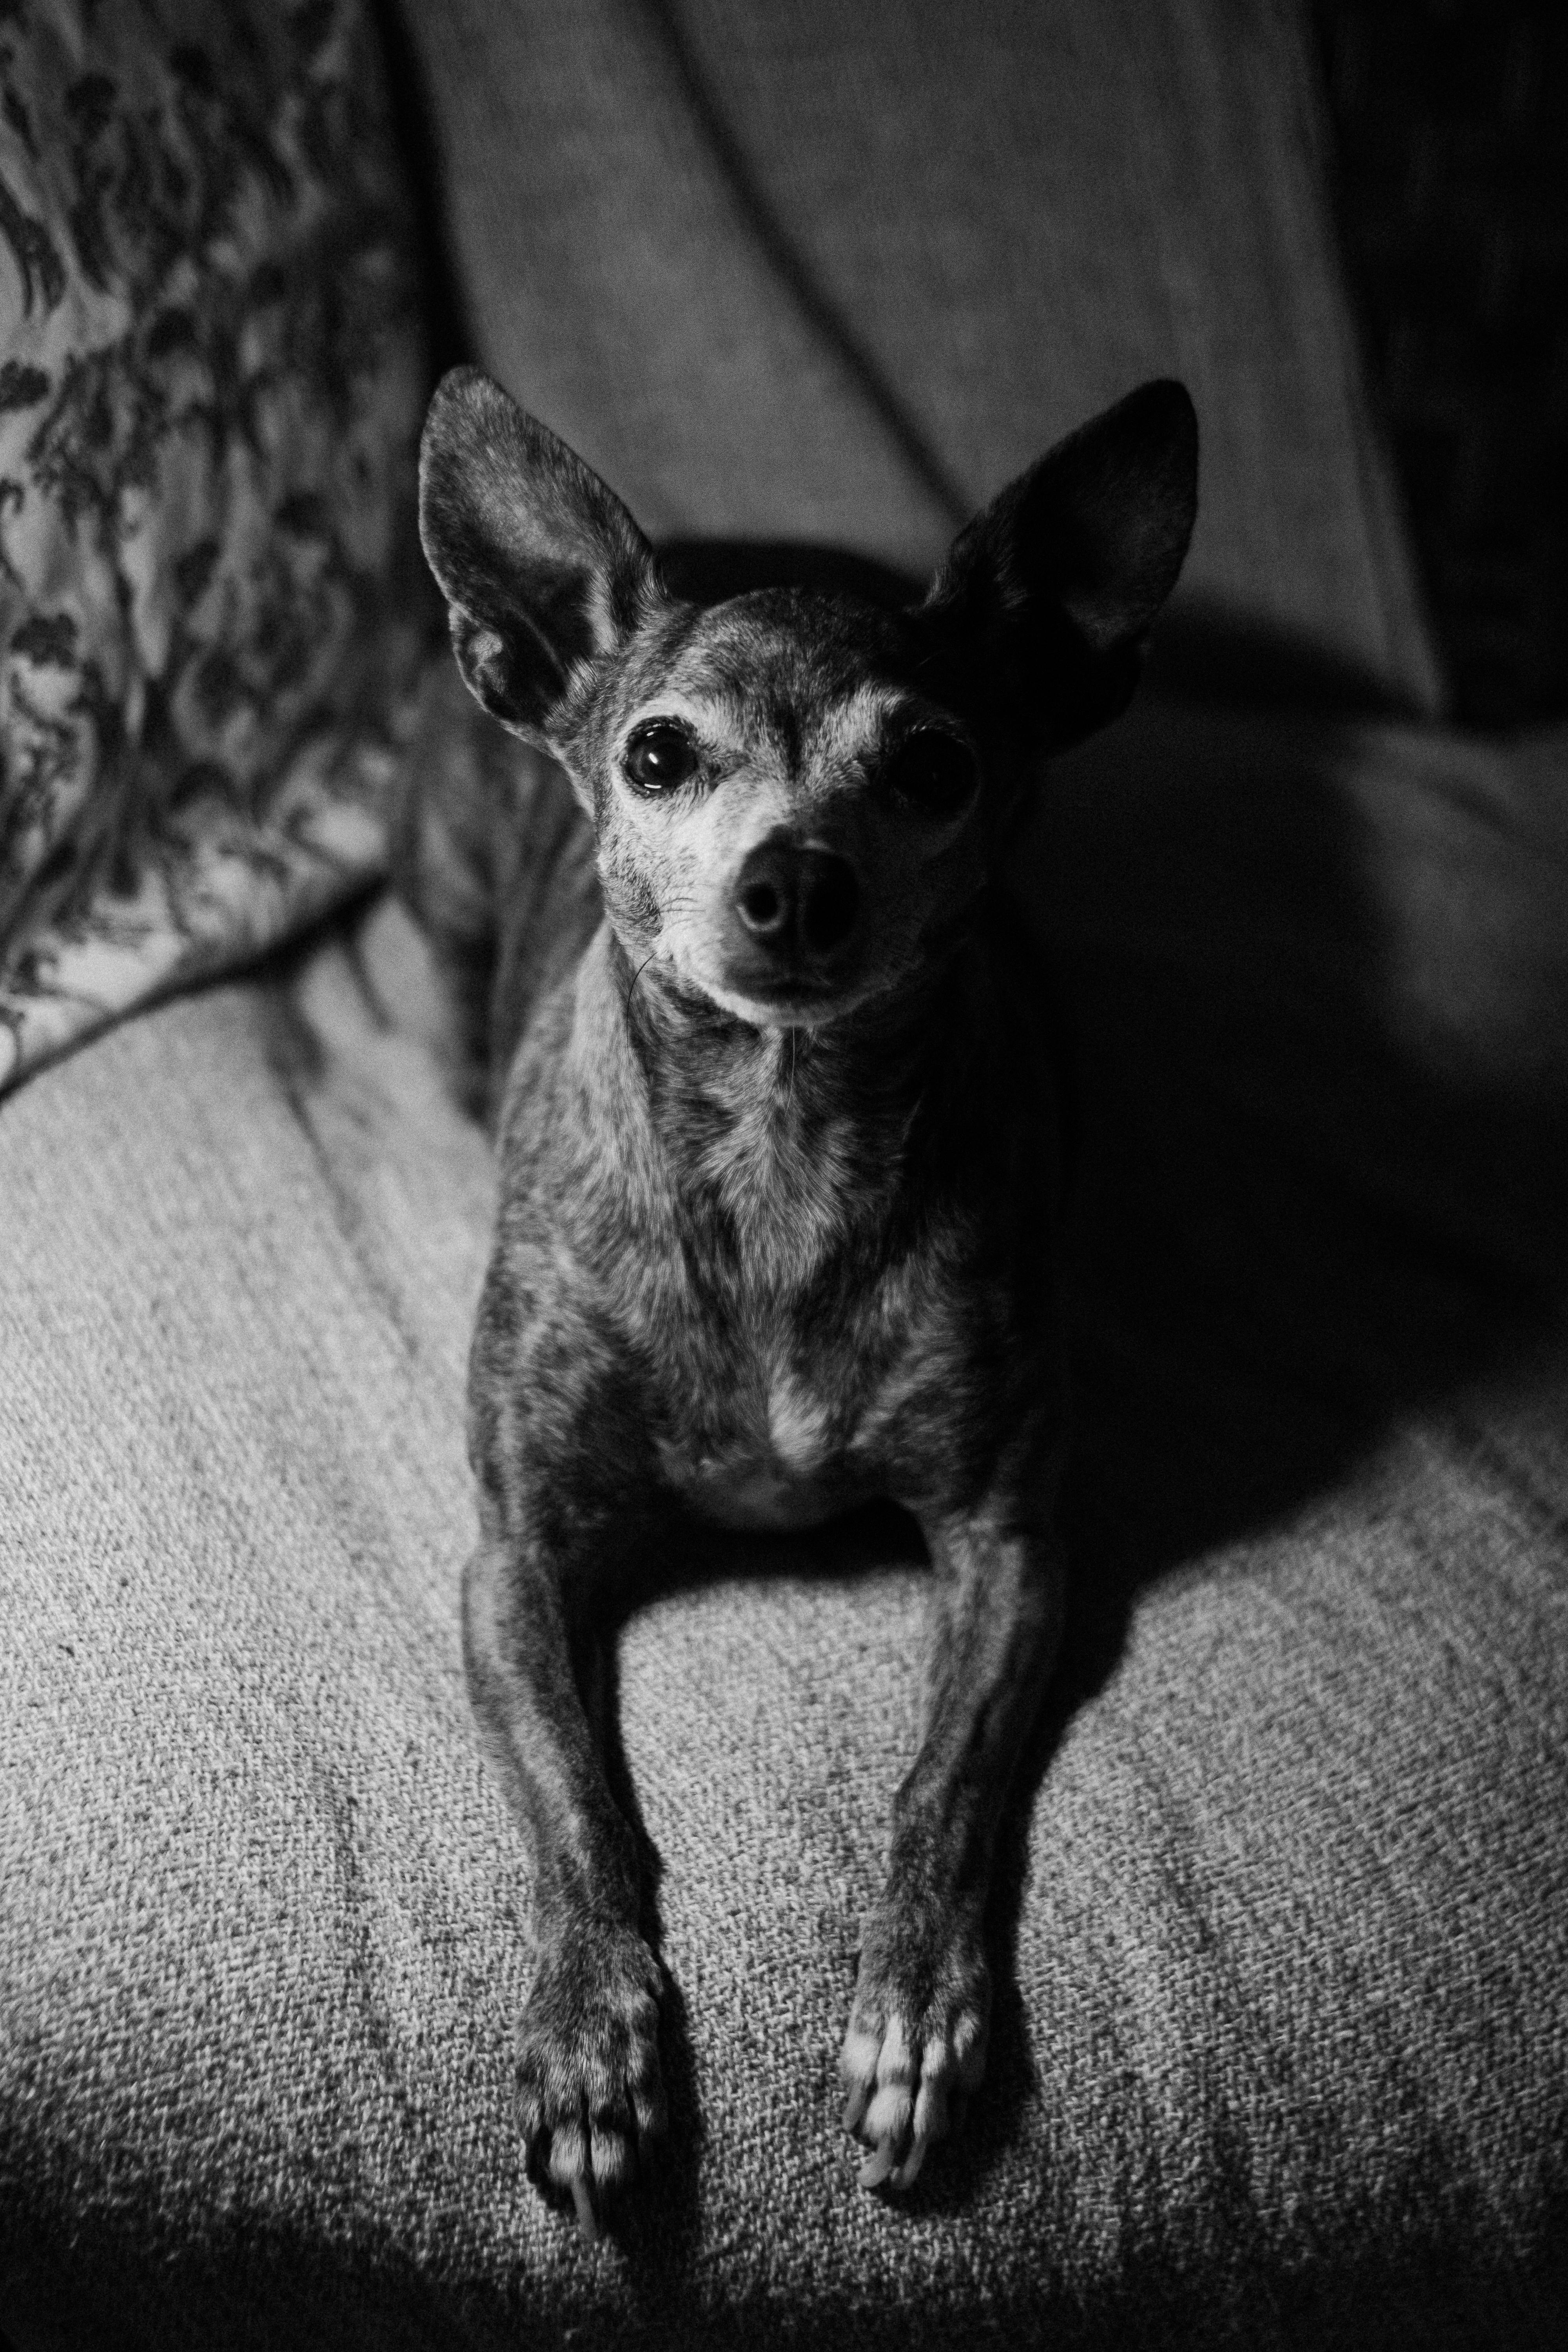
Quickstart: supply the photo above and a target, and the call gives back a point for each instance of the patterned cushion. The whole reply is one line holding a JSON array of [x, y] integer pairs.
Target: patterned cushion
[[211, 377]]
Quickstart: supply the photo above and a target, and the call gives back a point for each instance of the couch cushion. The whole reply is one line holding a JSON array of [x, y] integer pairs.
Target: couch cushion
[[810, 271], [212, 377], [1282, 1926]]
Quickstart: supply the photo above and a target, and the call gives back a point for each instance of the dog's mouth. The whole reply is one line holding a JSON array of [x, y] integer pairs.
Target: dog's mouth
[[774, 994], [789, 1000], [775, 990]]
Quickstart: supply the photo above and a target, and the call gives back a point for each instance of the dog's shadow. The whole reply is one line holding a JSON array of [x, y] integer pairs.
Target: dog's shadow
[[1321, 1177]]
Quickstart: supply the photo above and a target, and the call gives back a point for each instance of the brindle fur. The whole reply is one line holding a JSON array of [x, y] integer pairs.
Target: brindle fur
[[777, 1230]]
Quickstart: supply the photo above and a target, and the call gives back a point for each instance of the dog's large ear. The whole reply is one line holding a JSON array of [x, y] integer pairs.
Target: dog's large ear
[[1046, 599], [540, 564]]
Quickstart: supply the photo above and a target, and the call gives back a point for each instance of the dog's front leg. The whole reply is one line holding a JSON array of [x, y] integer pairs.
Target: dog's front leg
[[589, 2092], [919, 2021]]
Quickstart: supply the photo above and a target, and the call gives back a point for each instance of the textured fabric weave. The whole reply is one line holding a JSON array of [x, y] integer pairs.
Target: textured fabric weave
[[1282, 2047], [819, 272]]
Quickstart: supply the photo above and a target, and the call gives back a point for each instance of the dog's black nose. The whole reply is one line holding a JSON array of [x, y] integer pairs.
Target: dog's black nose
[[796, 904]]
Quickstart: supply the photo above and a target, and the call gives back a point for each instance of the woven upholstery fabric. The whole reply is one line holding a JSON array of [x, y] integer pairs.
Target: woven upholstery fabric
[[810, 271], [1281, 2042], [212, 377]]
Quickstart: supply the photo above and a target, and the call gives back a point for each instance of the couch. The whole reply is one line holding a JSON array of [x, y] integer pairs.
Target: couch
[[1281, 1933]]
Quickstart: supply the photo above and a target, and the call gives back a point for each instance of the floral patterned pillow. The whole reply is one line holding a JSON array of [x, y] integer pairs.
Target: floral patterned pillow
[[212, 373]]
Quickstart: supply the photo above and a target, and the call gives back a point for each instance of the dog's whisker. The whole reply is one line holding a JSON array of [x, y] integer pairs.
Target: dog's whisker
[[635, 977]]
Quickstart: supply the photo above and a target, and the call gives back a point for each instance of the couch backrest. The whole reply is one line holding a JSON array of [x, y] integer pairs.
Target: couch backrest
[[798, 269]]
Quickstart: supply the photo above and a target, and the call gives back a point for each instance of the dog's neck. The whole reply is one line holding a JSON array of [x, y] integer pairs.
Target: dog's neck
[[868, 1064], [801, 1135]]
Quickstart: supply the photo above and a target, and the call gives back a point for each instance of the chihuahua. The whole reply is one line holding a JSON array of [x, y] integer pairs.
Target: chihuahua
[[765, 1049]]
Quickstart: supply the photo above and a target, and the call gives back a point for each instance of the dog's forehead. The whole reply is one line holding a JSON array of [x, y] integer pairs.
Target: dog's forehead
[[783, 664]]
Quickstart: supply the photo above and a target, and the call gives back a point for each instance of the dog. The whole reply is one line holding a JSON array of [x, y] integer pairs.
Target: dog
[[763, 1045]]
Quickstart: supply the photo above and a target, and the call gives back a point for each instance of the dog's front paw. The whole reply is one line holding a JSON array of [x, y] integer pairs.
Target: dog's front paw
[[916, 2042], [589, 2094]]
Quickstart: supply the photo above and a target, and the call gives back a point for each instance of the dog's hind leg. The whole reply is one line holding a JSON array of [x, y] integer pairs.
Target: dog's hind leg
[[494, 858], [920, 2017]]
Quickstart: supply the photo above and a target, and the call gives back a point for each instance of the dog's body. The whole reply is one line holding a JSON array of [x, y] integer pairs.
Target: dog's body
[[779, 1162]]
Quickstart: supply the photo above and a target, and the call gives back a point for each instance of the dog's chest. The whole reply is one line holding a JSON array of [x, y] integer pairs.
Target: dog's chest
[[779, 1413], [810, 1304], [786, 1325], [776, 1458]]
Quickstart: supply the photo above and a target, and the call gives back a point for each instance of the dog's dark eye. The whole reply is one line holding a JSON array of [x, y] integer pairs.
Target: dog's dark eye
[[659, 757], [936, 774]]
